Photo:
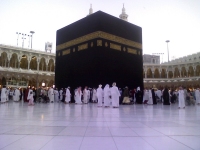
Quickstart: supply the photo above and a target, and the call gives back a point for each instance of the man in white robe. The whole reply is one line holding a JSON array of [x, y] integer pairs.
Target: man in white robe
[[88, 98], [51, 94], [16, 95], [159, 94], [150, 101], [56, 95], [30, 97], [107, 94], [3, 94], [181, 98], [85, 95], [197, 96], [100, 95], [146, 96], [61, 94], [68, 96], [94, 95], [78, 95], [115, 95], [7, 94]]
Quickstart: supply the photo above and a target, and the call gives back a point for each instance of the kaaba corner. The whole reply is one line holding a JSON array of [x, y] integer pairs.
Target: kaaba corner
[[99, 49]]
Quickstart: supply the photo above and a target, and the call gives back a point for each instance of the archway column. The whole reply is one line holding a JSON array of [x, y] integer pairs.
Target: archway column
[[194, 68], [160, 74], [152, 74], [179, 69]]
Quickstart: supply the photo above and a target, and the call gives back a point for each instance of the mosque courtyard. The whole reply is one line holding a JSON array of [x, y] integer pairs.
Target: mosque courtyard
[[88, 127]]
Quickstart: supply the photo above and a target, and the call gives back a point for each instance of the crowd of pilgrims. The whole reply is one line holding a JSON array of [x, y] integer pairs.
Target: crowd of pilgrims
[[107, 96]]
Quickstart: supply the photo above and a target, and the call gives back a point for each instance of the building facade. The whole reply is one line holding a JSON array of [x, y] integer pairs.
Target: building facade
[[183, 71], [20, 67]]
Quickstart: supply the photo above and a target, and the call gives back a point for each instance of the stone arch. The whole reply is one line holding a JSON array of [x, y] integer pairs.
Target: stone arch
[[24, 62], [156, 73], [176, 73], [4, 59], [170, 74], [198, 70], [33, 63], [42, 65], [163, 73], [190, 71], [29, 82], [33, 82], [51, 65], [183, 72], [14, 61], [51, 83], [149, 73], [43, 80], [3, 81]]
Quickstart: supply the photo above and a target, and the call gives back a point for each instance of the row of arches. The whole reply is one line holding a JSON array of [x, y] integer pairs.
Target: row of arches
[[24, 82], [24, 62], [176, 73]]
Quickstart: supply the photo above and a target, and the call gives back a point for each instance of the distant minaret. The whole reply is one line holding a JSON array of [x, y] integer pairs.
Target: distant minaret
[[123, 15], [90, 10]]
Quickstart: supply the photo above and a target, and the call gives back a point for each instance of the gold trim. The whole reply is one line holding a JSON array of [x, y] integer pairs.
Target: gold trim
[[99, 42], [106, 44], [115, 46], [66, 52], [91, 44], [82, 47], [132, 51], [99, 34]]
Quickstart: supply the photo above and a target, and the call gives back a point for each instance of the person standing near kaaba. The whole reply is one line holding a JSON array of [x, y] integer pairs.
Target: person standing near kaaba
[[85, 95], [78, 95], [138, 96], [107, 93], [181, 98], [56, 95], [51, 94], [166, 96], [67, 96], [94, 95], [100, 96], [61, 94], [30, 97], [115, 95], [26, 94], [3, 94], [154, 96]]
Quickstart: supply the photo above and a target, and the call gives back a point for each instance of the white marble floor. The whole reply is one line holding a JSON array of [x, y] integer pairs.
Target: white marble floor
[[87, 127]]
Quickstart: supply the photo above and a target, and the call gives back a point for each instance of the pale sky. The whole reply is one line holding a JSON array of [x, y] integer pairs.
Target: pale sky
[[161, 20]]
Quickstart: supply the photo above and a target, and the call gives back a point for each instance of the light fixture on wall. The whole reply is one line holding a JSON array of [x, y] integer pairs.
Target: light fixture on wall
[[43, 84]]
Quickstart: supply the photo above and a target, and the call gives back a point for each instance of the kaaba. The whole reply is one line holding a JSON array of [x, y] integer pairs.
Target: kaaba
[[99, 49]]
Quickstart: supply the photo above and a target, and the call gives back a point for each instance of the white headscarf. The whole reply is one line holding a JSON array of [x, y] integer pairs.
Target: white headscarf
[[138, 88], [106, 87]]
